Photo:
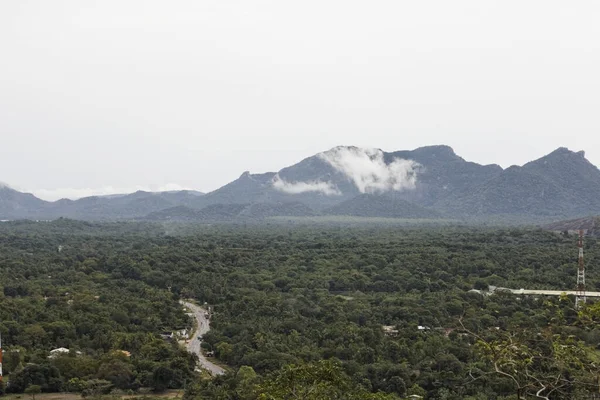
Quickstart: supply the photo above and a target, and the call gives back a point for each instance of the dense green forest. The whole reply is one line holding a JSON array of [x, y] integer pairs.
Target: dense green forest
[[311, 312]]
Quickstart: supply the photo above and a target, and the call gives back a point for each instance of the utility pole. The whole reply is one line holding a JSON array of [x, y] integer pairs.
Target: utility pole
[[580, 296]]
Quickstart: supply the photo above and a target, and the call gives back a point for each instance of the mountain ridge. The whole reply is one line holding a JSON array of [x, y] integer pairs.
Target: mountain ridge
[[562, 183], [430, 181]]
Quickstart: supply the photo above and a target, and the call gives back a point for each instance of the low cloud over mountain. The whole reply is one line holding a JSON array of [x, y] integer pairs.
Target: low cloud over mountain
[[367, 169], [326, 188]]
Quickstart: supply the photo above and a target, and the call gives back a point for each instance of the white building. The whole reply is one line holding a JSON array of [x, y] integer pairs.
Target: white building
[[61, 351]]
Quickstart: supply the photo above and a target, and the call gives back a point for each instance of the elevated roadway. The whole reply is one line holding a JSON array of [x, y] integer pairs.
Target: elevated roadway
[[535, 292]]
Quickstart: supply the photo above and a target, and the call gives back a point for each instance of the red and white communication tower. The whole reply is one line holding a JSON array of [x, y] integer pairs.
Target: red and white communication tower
[[580, 297], [1, 375]]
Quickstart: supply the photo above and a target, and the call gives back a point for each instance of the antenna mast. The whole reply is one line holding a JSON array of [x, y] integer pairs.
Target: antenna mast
[[580, 296], [1, 374]]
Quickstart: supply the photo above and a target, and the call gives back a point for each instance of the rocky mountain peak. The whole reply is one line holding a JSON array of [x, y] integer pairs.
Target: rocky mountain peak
[[564, 152]]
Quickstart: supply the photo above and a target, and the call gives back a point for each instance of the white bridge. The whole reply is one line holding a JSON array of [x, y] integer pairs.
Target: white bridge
[[534, 292]]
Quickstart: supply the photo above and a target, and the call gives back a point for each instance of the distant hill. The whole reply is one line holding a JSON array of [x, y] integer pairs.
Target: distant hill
[[177, 213], [386, 205], [230, 212], [122, 207], [589, 224], [428, 182], [264, 210], [14, 204], [563, 183]]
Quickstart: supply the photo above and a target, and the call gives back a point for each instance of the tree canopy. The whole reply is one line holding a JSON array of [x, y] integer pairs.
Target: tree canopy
[[379, 312]]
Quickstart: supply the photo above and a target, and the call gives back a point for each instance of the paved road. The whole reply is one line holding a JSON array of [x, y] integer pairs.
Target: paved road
[[194, 344], [553, 292], [540, 292]]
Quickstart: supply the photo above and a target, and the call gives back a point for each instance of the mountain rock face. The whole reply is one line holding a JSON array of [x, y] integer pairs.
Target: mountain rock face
[[428, 182], [563, 183], [443, 174]]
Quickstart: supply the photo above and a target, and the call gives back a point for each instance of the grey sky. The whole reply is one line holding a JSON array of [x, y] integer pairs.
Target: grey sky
[[107, 95]]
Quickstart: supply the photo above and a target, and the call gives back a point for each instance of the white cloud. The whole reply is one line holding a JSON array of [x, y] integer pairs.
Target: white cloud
[[367, 169], [326, 188], [77, 193]]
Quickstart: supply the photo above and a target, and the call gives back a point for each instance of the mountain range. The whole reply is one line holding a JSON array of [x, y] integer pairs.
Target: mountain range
[[430, 182]]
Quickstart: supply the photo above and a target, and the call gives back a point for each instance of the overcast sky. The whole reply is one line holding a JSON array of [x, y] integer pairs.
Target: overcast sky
[[117, 95]]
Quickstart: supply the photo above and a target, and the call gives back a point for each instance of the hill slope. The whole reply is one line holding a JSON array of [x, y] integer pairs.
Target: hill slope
[[443, 174], [230, 212], [563, 183], [14, 204], [386, 205], [590, 224]]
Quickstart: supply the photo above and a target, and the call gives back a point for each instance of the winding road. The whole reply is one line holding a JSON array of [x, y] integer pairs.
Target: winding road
[[193, 345]]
